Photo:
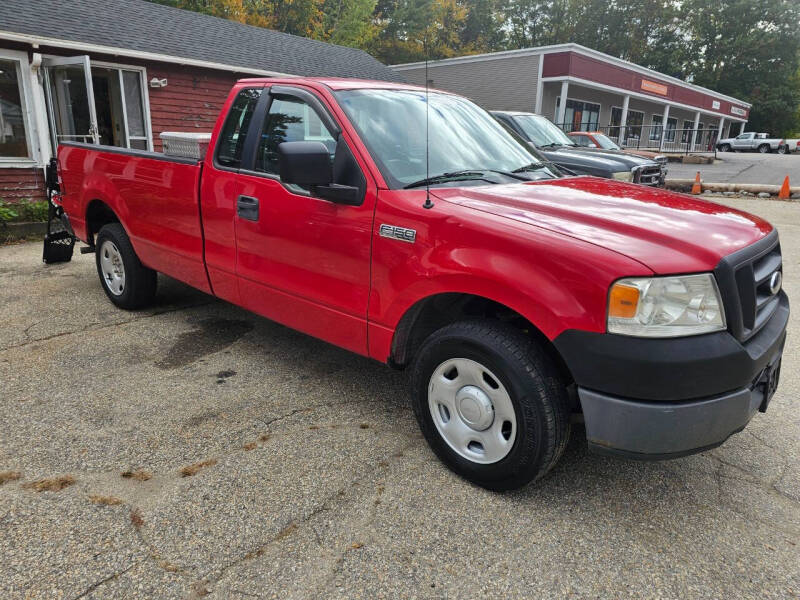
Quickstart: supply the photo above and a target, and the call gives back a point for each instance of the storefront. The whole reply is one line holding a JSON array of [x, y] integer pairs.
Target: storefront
[[638, 107]]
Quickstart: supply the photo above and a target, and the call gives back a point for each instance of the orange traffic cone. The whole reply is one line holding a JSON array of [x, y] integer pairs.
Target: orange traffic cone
[[697, 188], [785, 191]]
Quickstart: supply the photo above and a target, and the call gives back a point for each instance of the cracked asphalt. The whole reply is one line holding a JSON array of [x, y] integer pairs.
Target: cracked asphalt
[[262, 463]]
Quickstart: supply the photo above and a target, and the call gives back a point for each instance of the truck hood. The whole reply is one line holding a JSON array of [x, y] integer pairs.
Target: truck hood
[[667, 232], [607, 160]]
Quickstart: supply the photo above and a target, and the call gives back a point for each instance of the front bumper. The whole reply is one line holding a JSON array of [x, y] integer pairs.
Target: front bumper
[[664, 398]]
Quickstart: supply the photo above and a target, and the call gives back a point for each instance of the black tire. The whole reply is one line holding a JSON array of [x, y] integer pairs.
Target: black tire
[[764, 148], [725, 148], [783, 149], [139, 281], [537, 392]]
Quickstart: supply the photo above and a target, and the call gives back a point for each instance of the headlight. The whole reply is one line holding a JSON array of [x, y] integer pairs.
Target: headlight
[[623, 176], [665, 306]]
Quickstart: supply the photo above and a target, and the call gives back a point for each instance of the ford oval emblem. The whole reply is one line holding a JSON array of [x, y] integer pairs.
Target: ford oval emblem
[[775, 282]]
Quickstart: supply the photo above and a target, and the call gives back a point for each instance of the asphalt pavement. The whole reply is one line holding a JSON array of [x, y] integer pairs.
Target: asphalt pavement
[[196, 450], [742, 167]]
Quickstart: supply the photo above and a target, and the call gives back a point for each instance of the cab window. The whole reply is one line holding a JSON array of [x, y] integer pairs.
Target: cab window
[[289, 120], [234, 131]]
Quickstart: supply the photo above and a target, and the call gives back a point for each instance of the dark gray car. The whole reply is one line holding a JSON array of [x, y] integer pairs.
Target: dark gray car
[[558, 148]]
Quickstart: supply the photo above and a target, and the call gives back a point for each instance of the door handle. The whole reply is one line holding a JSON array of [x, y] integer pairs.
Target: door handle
[[247, 208]]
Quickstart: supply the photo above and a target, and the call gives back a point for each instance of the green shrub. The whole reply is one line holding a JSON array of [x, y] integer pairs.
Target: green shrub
[[33, 211], [6, 212]]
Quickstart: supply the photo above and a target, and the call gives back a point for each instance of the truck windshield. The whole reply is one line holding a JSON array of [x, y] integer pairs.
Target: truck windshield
[[465, 143], [542, 132], [605, 142]]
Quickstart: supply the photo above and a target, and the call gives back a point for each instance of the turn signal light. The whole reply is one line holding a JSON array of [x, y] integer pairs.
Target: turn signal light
[[622, 301]]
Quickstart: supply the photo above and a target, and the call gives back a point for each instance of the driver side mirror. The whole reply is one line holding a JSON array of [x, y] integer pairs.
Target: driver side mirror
[[309, 164]]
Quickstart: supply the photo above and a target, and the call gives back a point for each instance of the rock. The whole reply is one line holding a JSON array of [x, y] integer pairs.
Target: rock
[[708, 192], [763, 195], [745, 194], [728, 193], [796, 196]]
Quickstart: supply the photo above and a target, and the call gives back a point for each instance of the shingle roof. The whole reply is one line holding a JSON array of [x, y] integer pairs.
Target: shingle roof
[[143, 26]]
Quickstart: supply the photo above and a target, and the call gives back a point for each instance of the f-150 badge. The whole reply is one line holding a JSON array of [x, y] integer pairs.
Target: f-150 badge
[[398, 233]]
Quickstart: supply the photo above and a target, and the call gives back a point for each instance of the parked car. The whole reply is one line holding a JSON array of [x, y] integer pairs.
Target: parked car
[[600, 141], [753, 142], [556, 146], [517, 300]]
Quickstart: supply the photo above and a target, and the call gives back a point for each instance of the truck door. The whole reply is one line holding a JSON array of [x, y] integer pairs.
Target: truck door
[[302, 260], [743, 141]]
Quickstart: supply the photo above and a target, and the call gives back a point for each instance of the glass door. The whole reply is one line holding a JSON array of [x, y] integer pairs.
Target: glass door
[[70, 100]]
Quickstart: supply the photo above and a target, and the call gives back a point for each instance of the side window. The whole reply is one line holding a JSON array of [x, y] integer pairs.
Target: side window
[[581, 140], [289, 120], [234, 131]]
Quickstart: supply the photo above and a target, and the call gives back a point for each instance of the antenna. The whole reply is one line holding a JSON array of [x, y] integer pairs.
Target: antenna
[[428, 204]]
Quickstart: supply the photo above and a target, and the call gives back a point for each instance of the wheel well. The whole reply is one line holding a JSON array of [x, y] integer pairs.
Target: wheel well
[[435, 312], [98, 214]]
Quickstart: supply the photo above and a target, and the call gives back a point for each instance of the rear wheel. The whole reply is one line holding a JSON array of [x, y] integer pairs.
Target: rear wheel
[[763, 148], [490, 403], [127, 283], [783, 149]]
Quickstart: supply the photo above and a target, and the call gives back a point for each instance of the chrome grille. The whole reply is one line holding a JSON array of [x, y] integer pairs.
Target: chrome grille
[[647, 175]]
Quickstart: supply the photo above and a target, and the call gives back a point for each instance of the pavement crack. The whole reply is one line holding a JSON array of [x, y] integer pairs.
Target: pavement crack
[[97, 584], [329, 503], [99, 326]]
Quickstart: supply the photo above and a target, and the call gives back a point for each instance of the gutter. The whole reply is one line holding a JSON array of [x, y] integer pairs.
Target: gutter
[[84, 48]]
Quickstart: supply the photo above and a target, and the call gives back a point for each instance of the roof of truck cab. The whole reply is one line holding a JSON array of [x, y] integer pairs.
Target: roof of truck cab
[[341, 83]]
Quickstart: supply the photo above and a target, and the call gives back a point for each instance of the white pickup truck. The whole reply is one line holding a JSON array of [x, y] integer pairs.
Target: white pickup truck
[[753, 142]]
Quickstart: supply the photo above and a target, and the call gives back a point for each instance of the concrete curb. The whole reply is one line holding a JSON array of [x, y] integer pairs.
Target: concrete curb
[[10, 232], [685, 185]]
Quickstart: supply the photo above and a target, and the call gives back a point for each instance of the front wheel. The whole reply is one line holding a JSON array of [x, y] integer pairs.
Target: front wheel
[[490, 403], [126, 281], [763, 148], [725, 148]]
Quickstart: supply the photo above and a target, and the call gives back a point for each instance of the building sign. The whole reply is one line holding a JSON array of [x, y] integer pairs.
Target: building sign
[[735, 110], [655, 88], [715, 105]]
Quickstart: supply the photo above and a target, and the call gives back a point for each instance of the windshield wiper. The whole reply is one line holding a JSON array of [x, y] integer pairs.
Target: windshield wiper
[[465, 175], [534, 166], [551, 145]]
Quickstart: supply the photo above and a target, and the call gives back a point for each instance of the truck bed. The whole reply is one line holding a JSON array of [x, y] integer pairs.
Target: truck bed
[[156, 197]]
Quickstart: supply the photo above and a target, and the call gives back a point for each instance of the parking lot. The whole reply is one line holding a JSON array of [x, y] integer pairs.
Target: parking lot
[[743, 167], [198, 450]]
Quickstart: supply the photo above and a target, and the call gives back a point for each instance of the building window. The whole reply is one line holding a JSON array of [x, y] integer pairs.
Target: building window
[[96, 102], [669, 134], [686, 133], [578, 115], [655, 129], [633, 124], [13, 134]]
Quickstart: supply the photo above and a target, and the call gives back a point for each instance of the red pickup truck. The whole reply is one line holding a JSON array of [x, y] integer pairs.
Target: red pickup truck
[[520, 301]]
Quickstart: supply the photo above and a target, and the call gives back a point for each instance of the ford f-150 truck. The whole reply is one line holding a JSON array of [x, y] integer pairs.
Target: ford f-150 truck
[[519, 301]]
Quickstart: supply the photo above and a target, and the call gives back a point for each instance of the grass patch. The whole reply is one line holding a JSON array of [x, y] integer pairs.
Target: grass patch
[[190, 470], [6, 476], [104, 500], [136, 518], [55, 484], [138, 475]]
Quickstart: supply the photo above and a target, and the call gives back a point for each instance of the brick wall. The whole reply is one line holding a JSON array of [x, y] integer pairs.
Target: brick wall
[[17, 185], [191, 101]]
